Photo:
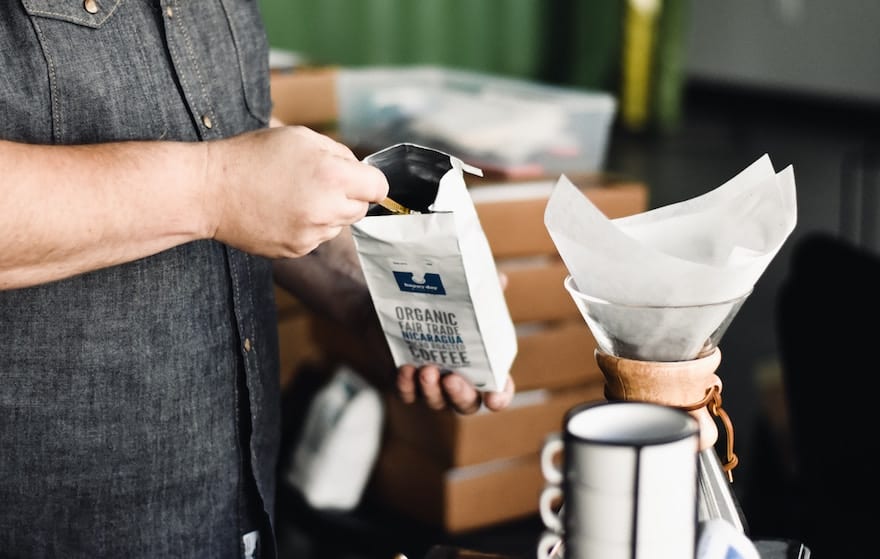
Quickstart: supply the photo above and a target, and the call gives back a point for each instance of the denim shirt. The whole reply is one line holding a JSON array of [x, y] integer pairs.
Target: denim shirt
[[125, 392]]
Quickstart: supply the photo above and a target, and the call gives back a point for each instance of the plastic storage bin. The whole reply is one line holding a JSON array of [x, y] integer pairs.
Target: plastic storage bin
[[514, 127]]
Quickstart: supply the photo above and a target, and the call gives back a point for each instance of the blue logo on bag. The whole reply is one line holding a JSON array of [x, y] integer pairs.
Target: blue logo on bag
[[430, 283]]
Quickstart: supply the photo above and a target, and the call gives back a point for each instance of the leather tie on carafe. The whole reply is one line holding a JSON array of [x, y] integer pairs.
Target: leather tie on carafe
[[690, 385]]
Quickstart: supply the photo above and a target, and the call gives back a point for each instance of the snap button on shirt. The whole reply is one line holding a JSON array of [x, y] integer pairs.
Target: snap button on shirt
[[206, 120], [91, 6]]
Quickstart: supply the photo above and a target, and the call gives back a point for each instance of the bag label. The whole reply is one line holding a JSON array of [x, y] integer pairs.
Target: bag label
[[427, 283]]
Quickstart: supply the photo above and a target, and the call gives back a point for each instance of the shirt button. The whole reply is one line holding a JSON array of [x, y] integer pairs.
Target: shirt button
[[91, 6], [247, 344], [206, 120], [169, 11]]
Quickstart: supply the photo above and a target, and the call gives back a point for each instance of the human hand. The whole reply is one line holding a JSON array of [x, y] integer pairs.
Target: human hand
[[448, 390], [282, 191]]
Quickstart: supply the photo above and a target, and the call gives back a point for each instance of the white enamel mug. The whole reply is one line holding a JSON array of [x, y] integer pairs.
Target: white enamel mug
[[623, 447], [616, 518], [626, 474]]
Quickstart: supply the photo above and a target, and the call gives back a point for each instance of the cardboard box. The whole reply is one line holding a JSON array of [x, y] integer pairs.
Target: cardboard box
[[512, 214], [555, 355], [455, 440], [304, 96], [535, 292], [456, 500]]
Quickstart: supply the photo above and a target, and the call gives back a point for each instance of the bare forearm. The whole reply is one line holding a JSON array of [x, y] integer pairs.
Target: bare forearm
[[72, 209], [277, 192]]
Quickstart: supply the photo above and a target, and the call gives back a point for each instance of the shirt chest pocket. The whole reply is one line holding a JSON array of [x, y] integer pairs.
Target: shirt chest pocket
[[133, 70], [91, 49], [90, 13]]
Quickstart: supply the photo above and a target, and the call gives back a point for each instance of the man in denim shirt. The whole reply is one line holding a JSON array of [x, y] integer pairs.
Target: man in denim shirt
[[143, 203]]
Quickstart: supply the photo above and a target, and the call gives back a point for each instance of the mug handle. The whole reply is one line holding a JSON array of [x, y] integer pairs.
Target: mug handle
[[552, 446], [550, 546], [549, 515]]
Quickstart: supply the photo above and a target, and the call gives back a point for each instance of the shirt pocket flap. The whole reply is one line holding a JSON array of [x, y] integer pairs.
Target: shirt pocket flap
[[73, 12]]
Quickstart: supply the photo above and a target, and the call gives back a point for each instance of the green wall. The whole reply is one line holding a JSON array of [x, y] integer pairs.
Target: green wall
[[503, 36]]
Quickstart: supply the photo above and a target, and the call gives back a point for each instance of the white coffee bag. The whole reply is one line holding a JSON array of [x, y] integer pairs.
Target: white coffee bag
[[431, 272]]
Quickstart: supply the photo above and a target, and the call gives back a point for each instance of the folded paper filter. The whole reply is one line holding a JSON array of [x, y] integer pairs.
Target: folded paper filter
[[663, 284], [659, 289]]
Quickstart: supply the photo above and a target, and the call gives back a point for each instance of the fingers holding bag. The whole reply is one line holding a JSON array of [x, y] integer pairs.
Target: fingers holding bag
[[280, 192]]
